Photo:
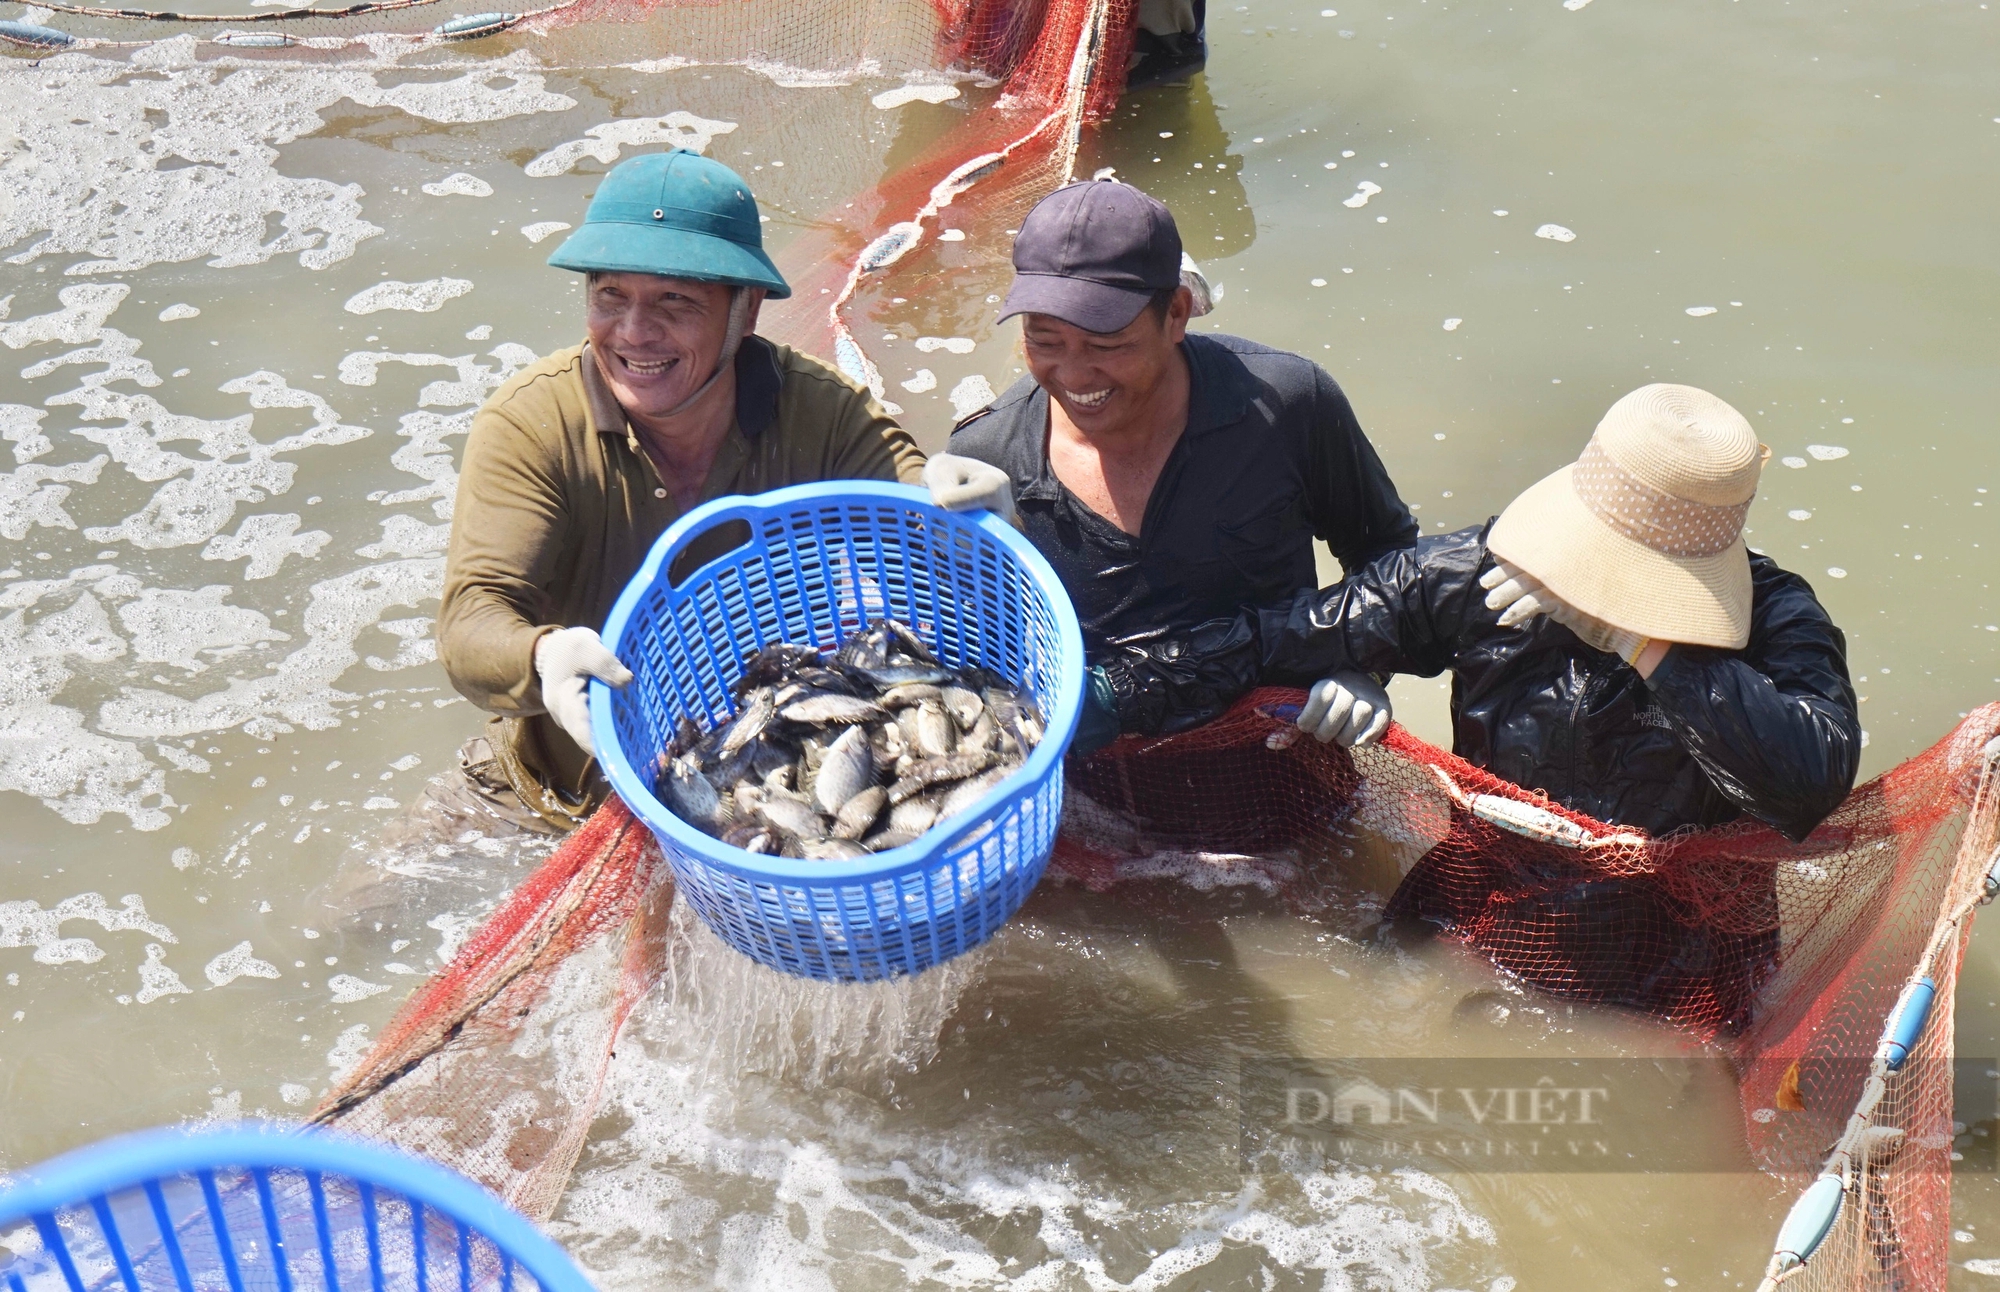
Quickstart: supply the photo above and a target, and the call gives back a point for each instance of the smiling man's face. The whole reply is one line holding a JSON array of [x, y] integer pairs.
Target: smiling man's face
[[657, 338], [1106, 382]]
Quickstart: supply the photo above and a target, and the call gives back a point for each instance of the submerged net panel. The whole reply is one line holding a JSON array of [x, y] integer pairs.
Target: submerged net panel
[[1790, 957], [495, 1066]]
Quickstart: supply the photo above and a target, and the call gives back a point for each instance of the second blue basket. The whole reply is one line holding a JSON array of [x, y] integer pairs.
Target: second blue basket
[[817, 563]]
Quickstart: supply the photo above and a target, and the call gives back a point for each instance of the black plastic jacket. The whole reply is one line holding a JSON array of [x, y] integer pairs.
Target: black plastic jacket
[[1771, 731]]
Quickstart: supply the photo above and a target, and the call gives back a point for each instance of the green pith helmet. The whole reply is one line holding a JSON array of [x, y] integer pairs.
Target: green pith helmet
[[678, 214]]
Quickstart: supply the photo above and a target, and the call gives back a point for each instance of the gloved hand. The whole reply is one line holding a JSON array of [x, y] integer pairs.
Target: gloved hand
[[566, 660], [967, 484], [1350, 709], [1098, 726], [1519, 596]]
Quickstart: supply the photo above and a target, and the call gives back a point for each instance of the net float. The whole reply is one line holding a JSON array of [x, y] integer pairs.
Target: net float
[[256, 39], [475, 25], [1906, 1023], [33, 36]]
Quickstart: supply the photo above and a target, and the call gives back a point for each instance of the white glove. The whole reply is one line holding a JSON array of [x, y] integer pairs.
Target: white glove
[[1519, 596], [967, 484], [1349, 709], [566, 660]]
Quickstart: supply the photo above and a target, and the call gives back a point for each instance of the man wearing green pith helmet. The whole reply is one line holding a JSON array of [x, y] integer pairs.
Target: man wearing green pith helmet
[[580, 462]]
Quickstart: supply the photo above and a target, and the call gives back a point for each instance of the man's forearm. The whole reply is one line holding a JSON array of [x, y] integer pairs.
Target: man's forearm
[[487, 648]]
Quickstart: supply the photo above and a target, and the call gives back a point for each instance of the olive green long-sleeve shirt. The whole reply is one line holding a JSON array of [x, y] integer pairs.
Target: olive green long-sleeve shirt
[[558, 506]]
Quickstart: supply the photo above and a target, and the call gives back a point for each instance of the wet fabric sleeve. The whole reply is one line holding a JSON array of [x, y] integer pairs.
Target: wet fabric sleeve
[[506, 533], [1405, 612], [1352, 503], [1776, 726]]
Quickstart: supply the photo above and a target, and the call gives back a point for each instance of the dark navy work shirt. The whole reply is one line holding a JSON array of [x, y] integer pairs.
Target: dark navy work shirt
[[1272, 458]]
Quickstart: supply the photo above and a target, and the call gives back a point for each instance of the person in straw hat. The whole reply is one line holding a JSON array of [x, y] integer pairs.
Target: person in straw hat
[[1612, 642]]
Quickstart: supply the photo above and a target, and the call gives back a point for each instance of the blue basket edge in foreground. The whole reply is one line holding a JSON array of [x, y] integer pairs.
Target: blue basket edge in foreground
[[1042, 766], [74, 1178]]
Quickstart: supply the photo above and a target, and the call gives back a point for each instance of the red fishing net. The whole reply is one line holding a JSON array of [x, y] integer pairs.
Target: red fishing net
[[1788, 956]]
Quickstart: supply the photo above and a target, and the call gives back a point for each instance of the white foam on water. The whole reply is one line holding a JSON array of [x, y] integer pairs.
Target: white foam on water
[[1451, 325], [750, 1158], [26, 924], [1826, 452], [21, 426], [348, 1048], [347, 989], [421, 298], [156, 978], [1795, 463], [1555, 233], [1700, 311], [299, 689], [238, 962], [951, 235], [459, 184], [902, 94], [265, 542], [179, 627], [970, 395], [949, 344], [923, 380], [1574, 5], [1362, 192], [175, 313], [1799, 513], [605, 142], [543, 229], [180, 162]]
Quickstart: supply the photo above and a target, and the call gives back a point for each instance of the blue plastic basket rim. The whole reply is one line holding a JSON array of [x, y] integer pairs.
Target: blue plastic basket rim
[[128, 1161], [756, 867]]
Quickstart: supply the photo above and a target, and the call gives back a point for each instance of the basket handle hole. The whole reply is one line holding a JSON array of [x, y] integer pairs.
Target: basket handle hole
[[707, 546]]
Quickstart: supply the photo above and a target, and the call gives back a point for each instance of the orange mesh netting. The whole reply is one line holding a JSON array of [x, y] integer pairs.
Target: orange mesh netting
[[1789, 956], [495, 1066]]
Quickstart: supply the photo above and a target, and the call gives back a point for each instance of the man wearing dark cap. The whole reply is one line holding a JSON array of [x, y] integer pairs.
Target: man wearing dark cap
[[1168, 476]]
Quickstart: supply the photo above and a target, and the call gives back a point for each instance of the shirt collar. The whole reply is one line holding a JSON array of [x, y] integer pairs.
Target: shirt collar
[[758, 381], [1218, 395]]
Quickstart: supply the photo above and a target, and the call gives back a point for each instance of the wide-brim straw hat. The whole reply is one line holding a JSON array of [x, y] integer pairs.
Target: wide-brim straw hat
[[1645, 530]]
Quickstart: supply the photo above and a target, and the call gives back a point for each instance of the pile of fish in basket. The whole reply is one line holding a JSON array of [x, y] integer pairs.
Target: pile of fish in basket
[[835, 756]]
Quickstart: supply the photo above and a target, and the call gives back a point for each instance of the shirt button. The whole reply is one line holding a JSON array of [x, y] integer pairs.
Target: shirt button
[[659, 493]]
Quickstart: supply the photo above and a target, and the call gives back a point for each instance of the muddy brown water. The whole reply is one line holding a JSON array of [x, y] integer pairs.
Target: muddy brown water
[[220, 546]]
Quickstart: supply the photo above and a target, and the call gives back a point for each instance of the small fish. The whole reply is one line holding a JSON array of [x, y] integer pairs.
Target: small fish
[[893, 675], [963, 706], [912, 816], [1484, 1006], [969, 791], [847, 769], [830, 708], [908, 642], [857, 816], [984, 733], [864, 650], [690, 795], [751, 722], [910, 695], [887, 839], [751, 836], [933, 734], [770, 665], [793, 818], [937, 771]]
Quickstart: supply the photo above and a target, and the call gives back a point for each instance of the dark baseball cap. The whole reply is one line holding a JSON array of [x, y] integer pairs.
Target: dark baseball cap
[[1093, 254]]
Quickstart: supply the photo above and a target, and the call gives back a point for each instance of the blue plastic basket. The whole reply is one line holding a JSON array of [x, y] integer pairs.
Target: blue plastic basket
[[265, 1207], [820, 562]]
